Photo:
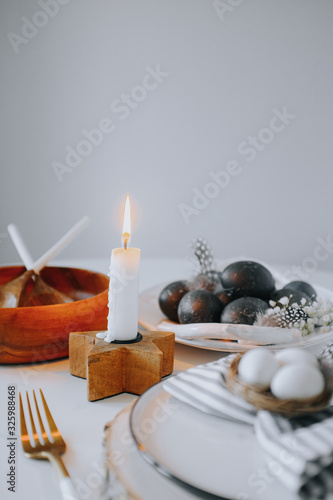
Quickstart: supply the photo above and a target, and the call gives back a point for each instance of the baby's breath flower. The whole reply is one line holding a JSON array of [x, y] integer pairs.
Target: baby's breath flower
[[304, 317]]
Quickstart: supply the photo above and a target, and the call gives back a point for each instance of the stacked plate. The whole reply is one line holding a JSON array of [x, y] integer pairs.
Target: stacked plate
[[162, 448]]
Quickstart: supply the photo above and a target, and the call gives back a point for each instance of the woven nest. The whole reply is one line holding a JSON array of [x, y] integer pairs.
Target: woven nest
[[264, 400]]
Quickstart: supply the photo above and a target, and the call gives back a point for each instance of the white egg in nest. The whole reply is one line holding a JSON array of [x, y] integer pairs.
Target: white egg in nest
[[294, 355], [257, 368], [298, 382]]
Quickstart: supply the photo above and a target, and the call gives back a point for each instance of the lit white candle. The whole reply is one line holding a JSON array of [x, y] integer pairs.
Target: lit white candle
[[124, 287]]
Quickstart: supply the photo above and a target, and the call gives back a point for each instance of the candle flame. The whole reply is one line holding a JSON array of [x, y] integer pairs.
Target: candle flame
[[127, 222]]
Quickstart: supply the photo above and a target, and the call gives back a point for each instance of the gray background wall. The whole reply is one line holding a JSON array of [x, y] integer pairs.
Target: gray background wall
[[228, 69]]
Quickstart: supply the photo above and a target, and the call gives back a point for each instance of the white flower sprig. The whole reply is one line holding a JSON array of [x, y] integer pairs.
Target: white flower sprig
[[306, 318]]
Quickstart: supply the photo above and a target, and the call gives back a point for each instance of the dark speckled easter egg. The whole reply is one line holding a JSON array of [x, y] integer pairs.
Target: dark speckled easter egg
[[170, 297], [223, 297], [199, 306], [294, 296], [248, 279], [243, 311], [302, 286]]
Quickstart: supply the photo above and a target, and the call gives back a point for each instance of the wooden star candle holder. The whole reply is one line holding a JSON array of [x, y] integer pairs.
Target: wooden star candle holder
[[113, 368]]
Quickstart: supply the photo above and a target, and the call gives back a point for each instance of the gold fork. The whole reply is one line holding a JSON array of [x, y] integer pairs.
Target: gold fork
[[46, 449]]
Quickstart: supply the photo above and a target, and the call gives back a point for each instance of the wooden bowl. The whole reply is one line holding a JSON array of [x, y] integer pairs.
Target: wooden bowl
[[40, 333]]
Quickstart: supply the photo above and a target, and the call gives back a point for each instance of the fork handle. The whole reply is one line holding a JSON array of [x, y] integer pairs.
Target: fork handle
[[66, 486], [67, 489]]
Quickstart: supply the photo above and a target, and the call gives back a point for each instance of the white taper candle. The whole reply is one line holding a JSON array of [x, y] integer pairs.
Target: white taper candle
[[123, 294], [124, 287]]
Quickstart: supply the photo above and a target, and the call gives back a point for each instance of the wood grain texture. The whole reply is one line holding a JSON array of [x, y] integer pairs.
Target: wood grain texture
[[111, 369], [33, 334], [42, 294], [10, 292]]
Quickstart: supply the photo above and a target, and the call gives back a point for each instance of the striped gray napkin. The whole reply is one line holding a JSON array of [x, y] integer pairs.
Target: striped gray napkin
[[203, 387], [300, 449]]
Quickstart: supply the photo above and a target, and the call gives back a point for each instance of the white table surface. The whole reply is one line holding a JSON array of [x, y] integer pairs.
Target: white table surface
[[80, 421]]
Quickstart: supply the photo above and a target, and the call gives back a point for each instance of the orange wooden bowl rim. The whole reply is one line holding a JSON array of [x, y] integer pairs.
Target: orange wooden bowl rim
[[40, 333]]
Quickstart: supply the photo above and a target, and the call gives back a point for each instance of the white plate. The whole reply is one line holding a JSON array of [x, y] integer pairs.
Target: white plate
[[203, 455], [151, 317], [124, 461]]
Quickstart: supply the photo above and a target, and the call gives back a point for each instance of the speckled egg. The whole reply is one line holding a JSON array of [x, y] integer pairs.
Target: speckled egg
[[223, 297], [199, 306], [303, 286], [294, 296], [248, 279], [243, 311], [170, 297]]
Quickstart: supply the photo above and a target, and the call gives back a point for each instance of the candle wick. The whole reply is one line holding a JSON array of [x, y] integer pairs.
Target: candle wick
[[126, 237]]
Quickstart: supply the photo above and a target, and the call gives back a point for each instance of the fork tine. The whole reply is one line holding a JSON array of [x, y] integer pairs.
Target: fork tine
[[24, 430], [50, 450], [53, 427], [44, 433], [34, 430]]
